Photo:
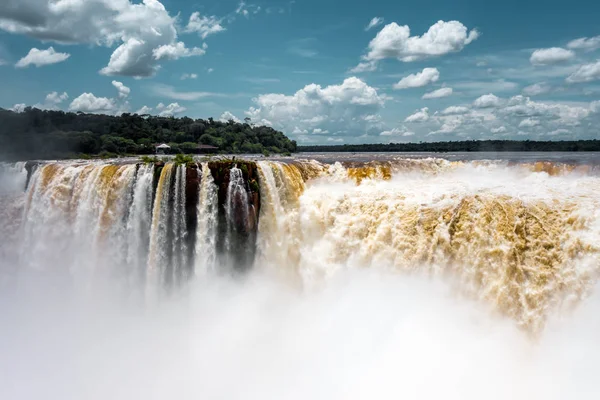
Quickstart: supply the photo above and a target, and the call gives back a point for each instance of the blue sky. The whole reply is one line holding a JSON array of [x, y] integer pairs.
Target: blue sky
[[325, 72]]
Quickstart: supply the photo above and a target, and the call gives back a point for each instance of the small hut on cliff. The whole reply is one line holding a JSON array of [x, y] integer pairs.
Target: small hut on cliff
[[163, 148]]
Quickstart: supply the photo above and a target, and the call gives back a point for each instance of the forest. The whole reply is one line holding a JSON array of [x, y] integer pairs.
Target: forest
[[45, 134], [468, 146]]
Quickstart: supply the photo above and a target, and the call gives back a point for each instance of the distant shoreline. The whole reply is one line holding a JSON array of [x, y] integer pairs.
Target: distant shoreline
[[462, 146]]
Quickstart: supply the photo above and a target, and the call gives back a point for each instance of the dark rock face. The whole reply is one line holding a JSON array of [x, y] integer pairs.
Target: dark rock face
[[30, 167], [236, 240]]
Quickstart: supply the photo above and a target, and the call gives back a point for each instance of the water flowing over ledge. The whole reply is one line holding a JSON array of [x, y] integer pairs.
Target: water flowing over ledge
[[523, 237]]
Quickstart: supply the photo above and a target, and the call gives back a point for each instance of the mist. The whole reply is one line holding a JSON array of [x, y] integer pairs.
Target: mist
[[365, 335]]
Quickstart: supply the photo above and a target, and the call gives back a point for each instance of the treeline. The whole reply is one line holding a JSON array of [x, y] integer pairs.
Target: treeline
[[470, 145], [39, 134]]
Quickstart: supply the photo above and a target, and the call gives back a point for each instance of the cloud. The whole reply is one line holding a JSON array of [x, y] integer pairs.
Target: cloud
[[89, 103], [144, 110], [376, 21], [205, 26], [564, 114], [226, 116], [586, 73], [18, 108], [53, 101], [188, 76], [487, 101], [552, 55], [513, 118], [420, 116], [529, 123], [420, 79], [499, 85], [210, 70], [452, 110], [364, 67], [439, 93], [177, 51], [394, 41], [40, 58], [162, 90], [169, 110], [349, 106], [56, 98], [136, 28], [537, 89], [124, 91], [587, 44], [246, 9], [397, 132]]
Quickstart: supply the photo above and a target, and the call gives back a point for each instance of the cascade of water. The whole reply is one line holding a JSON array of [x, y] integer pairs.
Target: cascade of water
[[139, 223], [180, 252], [160, 251], [12, 178], [82, 210], [206, 233], [280, 187], [522, 240]]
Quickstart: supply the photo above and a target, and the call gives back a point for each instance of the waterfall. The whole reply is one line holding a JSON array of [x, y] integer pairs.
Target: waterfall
[[13, 177], [139, 223], [522, 237], [280, 186], [159, 268], [206, 233], [181, 270]]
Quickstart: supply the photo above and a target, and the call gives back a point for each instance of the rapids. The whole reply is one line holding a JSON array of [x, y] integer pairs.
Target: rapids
[[262, 268]]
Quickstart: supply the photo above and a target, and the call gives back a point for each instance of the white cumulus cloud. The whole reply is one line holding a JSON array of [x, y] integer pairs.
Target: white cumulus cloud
[[529, 123], [586, 73], [395, 41], [177, 50], [420, 116], [144, 110], [487, 101], [136, 28], [452, 110], [169, 110], [226, 116], [205, 26], [124, 91], [89, 103], [439, 93], [40, 58], [347, 106], [585, 43], [423, 78], [18, 108], [552, 55]]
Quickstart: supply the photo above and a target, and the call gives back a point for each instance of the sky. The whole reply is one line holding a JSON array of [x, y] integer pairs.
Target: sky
[[323, 72]]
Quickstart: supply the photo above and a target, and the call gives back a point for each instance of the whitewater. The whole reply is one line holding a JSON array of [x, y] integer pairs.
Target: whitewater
[[325, 278]]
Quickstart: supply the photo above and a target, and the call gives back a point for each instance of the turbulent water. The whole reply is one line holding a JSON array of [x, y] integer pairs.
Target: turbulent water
[[406, 277]]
